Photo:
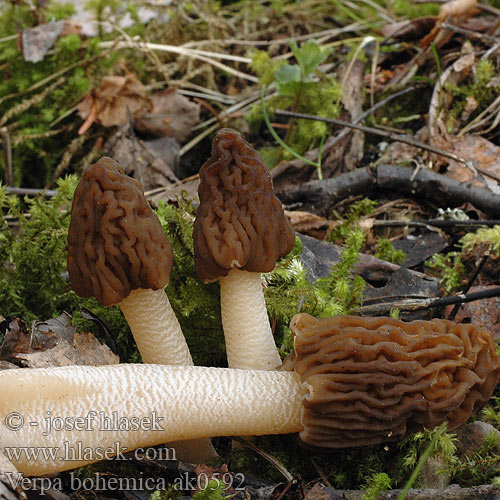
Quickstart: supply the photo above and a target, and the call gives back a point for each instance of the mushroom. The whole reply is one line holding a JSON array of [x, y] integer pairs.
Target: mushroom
[[240, 231], [119, 254], [356, 382]]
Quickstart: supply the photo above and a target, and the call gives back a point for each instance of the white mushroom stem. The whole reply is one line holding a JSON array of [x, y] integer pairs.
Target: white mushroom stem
[[64, 415], [160, 341], [155, 328], [249, 339]]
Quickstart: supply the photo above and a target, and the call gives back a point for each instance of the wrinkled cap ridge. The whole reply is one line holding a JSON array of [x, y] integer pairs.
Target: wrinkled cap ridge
[[240, 222], [373, 380], [115, 242]]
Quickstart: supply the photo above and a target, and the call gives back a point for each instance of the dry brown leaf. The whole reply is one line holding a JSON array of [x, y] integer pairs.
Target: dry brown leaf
[[112, 99], [454, 11], [457, 9], [413, 29], [171, 115], [152, 165], [53, 343], [484, 313], [481, 153], [310, 224]]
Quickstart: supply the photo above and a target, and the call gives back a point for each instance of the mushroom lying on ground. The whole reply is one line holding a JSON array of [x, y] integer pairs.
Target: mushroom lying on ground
[[240, 231], [356, 382], [119, 254]]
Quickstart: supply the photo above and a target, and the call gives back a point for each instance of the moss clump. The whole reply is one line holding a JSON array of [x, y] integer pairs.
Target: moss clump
[[488, 237], [386, 251], [477, 93], [33, 254]]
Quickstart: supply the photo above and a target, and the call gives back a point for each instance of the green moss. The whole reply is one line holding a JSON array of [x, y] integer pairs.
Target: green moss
[[449, 268], [33, 255], [407, 9], [377, 484], [480, 87], [488, 237], [386, 251]]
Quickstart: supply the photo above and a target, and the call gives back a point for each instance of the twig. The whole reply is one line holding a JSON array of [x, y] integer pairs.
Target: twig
[[267, 456], [436, 223], [469, 33], [467, 287], [7, 152], [377, 131], [416, 304], [283, 41], [211, 97], [210, 108], [50, 193], [426, 185], [72, 148]]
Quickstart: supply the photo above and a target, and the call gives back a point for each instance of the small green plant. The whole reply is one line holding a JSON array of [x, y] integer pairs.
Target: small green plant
[[427, 443], [301, 87], [376, 485]]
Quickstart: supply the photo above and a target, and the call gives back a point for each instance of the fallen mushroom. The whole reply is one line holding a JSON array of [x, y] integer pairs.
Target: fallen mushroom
[[118, 253], [240, 231], [356, 382]]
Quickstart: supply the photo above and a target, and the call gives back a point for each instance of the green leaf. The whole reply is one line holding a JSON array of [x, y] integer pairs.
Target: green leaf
[[288, 80], [309, 56]]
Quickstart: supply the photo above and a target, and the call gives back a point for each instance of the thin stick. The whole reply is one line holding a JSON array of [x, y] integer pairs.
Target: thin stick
[[415, 304], [436, 223], [456, 307], [377, 131], [50, 193], [7, 151], [282, 41], [469, 33], [185, 52]]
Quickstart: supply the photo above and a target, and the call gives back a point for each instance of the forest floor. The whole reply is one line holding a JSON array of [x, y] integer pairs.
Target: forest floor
[[380, 125]]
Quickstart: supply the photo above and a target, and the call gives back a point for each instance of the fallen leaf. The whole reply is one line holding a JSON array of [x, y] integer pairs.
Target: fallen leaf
[[413, 29], [172, 115], [53, 343], [152, 163], [37, 41], [483, 313], [481, 153], [109, 102], [453, 11], [457, 9], [310, 224]]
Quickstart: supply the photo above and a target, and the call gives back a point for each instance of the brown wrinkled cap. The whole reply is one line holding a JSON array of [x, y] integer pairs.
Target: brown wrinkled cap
[[240, 222], [373, 380], [116, 242]]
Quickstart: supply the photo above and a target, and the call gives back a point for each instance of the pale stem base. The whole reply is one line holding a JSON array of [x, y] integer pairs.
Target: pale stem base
[[249, 339], [79, 413], [160, 341], [155, 327]]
